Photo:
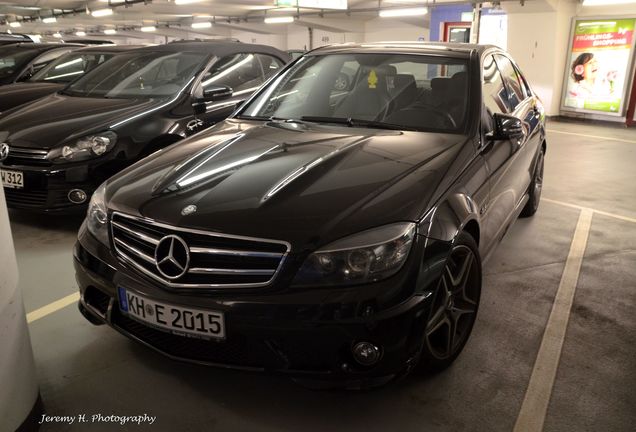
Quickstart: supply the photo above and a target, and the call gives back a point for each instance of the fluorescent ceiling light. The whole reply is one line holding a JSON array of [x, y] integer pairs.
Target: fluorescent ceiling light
[[80, 33], [110, 31], [279, 20], [389, 13], [102, 12], [201, 25], [315, 4], [15, 24], [606, 2], [57, 35], [49, 20], [148, 29], [185, 2]]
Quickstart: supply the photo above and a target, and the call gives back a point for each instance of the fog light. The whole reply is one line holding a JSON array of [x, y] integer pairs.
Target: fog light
[[366, 353], [77, 196]]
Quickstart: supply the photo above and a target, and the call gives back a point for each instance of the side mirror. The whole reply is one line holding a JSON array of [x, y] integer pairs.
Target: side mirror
[[26, 75], [214, 94], [507, 127]]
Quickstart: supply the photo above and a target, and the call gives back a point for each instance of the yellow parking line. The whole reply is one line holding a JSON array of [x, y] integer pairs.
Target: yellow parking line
[[602, 138], [601, 212], [535, 403], [52, 307]]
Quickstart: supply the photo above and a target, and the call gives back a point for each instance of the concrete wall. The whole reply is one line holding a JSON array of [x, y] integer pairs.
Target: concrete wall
[[385, 29], [276, 40], [539, 41]]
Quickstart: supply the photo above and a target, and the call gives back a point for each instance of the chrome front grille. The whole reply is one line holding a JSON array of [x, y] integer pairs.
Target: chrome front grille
[[26, 156], [27, 153], [214, 260]]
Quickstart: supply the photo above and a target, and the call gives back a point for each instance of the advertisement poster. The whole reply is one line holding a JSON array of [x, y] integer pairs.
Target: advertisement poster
[[597, 67]]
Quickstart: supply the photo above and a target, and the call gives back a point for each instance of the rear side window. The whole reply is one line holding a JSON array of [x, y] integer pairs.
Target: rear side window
[[516, 93], [493, 89], [69, 67], [47, 58]]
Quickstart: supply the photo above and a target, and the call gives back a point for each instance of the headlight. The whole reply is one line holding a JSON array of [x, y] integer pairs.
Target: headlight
[[364, 257], [97, 215], [88, 147]]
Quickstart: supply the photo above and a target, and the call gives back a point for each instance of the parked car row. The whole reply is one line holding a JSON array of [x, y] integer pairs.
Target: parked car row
[[332, 228], [59, 148]]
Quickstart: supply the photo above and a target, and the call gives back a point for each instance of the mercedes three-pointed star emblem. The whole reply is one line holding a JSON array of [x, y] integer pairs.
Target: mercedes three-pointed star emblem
[[4, 151], [172, 257]]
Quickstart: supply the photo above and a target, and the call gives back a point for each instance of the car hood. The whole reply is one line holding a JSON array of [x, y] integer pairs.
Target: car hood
[[307, 184], [16, 94], [58, 118]]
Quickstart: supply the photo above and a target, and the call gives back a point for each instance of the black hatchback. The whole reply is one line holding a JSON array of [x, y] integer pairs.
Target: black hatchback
[[331, 229], [55, 151]]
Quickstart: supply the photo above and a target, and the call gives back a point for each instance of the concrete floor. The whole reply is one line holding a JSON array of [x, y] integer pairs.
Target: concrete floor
[[87, 369]]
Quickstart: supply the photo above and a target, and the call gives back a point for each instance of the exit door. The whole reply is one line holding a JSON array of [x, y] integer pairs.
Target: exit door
[[457, 32]]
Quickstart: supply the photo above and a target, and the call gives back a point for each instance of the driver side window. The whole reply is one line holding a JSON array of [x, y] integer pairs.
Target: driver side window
[[494, 93], [240, 72]]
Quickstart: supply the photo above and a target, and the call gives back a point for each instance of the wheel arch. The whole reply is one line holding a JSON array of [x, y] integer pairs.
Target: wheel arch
[[456, 214]]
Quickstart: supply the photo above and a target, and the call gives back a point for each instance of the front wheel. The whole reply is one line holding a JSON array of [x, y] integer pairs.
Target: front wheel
[[536, 186], [455, 305]]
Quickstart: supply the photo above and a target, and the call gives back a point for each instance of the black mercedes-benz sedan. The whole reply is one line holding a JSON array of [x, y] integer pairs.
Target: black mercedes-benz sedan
[[57, 74], [335, 233], [56, 150]]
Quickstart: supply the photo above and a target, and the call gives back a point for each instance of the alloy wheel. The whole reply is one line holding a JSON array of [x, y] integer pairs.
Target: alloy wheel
[[455, 305], [538, 178]]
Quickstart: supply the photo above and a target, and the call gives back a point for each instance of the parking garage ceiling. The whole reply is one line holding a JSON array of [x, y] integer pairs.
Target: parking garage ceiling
[[172, 17]]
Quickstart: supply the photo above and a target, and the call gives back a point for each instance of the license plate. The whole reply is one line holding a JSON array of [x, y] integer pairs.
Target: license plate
[[184, 321], [12, 179]]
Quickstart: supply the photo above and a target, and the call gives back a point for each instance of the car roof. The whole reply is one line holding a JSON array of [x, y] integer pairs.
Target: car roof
[[109, 48], [218, 48], [408, 47], [39, 46], [14, 37]]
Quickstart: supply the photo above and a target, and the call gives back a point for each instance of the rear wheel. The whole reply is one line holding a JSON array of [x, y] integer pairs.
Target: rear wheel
[[536, 186], [455, 305]]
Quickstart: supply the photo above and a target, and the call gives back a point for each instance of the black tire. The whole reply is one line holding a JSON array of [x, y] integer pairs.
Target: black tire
[[454, 309], [536, 186]]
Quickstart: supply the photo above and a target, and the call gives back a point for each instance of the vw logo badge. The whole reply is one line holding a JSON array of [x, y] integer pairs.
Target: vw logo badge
[[188, 210], [172, 257], [4, 151]]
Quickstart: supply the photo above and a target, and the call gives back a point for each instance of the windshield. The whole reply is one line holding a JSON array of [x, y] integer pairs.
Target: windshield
[[395, 91], [70, 66], [13, 60], [141, 74]]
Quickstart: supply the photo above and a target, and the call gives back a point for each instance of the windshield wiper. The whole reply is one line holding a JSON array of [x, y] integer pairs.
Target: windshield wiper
[[258, 118], [351, 122]]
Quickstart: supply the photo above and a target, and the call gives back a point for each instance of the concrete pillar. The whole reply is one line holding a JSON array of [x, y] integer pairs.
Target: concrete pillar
[[19, 395], [538, 41]]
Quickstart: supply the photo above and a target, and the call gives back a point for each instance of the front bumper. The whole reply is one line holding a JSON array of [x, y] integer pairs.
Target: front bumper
[[46, 188], [308, 334]]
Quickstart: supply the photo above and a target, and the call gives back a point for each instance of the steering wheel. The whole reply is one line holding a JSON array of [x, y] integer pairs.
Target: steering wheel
[[443, 114]]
